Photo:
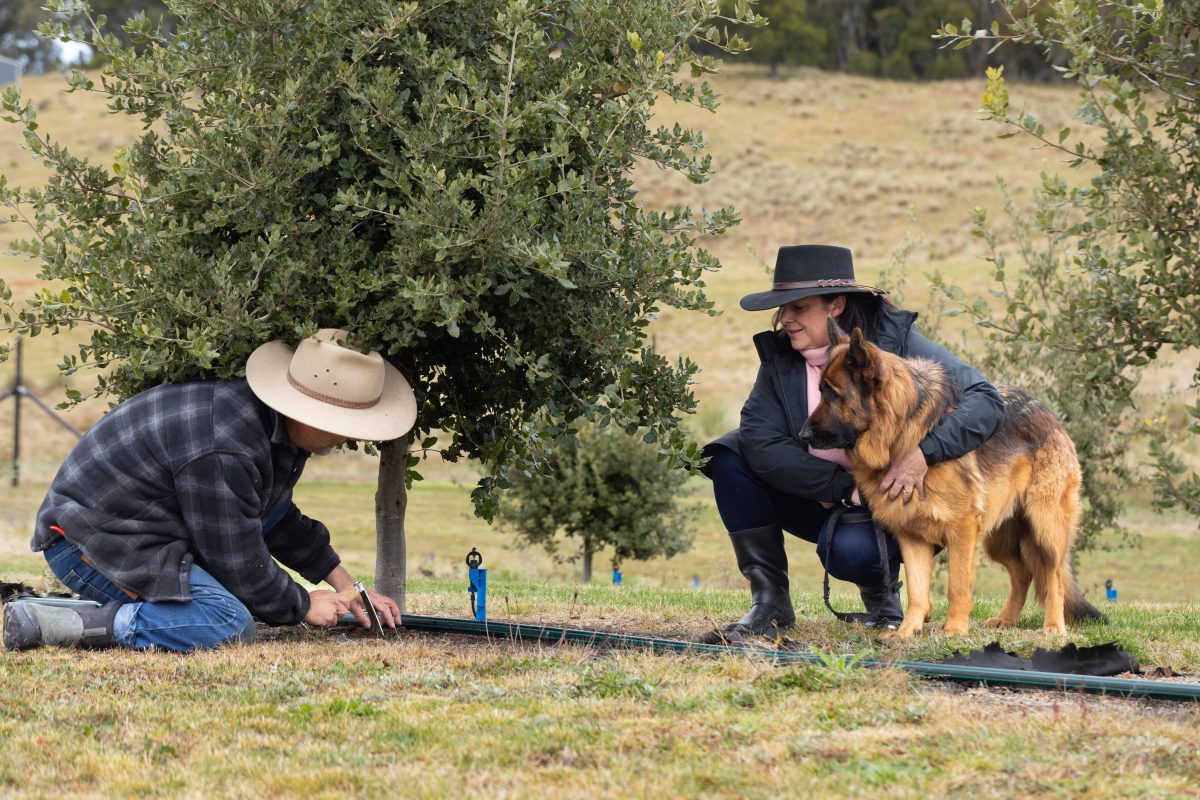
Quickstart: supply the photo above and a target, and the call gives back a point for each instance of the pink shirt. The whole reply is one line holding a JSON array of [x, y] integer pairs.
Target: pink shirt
[[815, 359]]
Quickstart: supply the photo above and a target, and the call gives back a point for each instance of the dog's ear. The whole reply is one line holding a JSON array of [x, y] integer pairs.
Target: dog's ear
[[858, 357], [836, 334]]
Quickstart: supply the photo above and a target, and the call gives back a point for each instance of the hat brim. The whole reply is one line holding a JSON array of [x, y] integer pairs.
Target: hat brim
[[390, 418], [774, 298]]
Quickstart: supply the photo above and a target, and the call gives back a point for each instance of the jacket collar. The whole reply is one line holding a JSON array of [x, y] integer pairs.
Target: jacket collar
[[894, 328], [770, 346], [274, 423]]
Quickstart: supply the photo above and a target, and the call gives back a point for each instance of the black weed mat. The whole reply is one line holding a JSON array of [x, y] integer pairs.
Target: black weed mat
[[1101, 659]]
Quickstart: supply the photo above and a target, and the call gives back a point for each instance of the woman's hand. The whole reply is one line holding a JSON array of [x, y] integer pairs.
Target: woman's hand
[[325, 608], [906, 475], [855, 500]]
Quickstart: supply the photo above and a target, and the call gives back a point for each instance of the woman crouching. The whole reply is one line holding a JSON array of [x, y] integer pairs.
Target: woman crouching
[[766, 482]]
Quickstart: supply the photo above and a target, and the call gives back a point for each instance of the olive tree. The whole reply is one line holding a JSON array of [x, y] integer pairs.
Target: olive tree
[[1109, 275], [451, 182]]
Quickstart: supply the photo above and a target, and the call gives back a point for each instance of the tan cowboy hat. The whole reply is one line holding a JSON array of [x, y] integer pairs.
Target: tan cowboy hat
[[333, 388]]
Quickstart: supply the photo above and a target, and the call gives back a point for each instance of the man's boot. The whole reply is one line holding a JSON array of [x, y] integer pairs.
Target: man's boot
[[29, 625], [883, 609], [762, 559]]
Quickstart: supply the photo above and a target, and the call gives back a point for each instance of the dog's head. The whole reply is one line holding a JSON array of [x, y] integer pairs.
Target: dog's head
[[848, 384]]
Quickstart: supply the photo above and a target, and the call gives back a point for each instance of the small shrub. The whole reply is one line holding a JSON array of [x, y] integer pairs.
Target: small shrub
[[608, 489]]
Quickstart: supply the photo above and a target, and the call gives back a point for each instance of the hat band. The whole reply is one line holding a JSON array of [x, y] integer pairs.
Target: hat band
[[826, 283], [330, 399]]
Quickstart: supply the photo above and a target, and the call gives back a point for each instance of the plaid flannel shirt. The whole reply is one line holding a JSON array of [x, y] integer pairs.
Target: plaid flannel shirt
[[189, 472]]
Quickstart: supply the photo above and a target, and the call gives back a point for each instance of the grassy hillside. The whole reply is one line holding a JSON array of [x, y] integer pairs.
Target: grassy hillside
[[809, 157]]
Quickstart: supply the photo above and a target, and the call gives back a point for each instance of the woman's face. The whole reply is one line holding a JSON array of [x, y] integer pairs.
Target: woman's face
[[806, 321]]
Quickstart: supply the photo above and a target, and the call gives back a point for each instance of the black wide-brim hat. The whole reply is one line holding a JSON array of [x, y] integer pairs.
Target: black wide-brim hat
[[805, 270]]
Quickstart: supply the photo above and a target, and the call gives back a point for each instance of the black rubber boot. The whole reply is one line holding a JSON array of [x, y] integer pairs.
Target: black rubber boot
[[762, 559], [29, 625], [883, 609]]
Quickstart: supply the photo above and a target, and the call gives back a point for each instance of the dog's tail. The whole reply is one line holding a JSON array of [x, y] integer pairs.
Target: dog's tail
[[1076, 608]]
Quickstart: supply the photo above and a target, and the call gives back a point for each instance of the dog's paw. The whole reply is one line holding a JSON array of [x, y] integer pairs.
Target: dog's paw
[[1000, 622], [1054, 629], [903, 632], [954, 628]]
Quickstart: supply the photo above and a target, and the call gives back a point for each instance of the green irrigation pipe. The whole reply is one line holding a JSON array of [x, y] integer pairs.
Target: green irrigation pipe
[[1122, 687]]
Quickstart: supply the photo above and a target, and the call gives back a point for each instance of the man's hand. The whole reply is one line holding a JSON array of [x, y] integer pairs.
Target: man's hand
[[326, 608], [385, 607], [905, 475]]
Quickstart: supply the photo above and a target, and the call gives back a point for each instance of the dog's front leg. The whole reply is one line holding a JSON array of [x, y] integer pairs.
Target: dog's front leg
[[960, 551], [918, 573]]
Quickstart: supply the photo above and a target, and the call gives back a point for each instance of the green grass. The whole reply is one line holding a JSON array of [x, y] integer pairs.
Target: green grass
[[327, 715]]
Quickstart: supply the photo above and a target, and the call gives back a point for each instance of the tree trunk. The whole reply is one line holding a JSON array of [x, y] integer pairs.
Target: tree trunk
[[587, 564], [391, 500]]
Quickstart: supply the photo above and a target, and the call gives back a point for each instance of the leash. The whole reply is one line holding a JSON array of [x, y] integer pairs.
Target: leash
[[856, 514]]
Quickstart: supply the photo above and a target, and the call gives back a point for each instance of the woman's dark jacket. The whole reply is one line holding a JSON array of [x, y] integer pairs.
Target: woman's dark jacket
[[778, 408]]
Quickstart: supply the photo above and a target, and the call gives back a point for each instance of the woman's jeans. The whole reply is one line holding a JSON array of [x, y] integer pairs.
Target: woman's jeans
[[745, 502], [213, 616]]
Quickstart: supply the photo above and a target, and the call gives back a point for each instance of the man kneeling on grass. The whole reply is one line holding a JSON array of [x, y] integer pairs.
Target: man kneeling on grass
[[172, 510]]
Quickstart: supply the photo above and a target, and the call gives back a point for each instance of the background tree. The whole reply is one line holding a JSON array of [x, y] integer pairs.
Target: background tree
[[886, 38], [19, 20], [18, 38], [789, 37], [606, 489], [1112, 269], [448, 181]]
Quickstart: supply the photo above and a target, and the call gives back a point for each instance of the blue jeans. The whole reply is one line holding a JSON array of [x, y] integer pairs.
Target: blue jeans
[[212, 617], [745, 502]]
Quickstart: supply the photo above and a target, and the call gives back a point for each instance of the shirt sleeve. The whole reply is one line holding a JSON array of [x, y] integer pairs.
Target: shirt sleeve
[[302, 544], [218, 500], [774, 454], [975, 418]]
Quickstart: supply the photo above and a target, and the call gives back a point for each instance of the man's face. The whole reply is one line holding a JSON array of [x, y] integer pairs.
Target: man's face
[[314, 440]]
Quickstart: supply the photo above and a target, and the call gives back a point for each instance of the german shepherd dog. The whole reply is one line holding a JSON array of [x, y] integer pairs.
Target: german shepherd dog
[[1018, 491]]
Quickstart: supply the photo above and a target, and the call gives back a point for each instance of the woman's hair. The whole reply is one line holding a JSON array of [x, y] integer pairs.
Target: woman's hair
[[863, 310]]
